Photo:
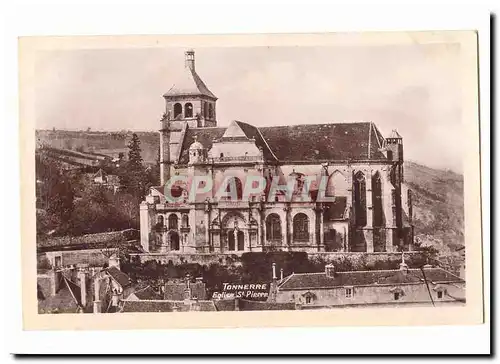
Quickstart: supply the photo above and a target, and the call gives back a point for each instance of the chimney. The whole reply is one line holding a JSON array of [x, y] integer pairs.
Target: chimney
[[82, 277], [274, 271], [403, 267], [114, 299], [281, 275], [97, 301], [190, 59]]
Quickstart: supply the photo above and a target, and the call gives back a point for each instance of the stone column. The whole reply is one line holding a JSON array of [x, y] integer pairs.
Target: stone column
[[312, 231], [286, 226], [387, 189], [207, 227], [321, 246], [97, 301], [369, 202], [164, 242], [369, 213]]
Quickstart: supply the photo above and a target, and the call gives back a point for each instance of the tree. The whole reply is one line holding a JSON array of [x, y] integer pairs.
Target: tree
[[132, 174], [55, 195]]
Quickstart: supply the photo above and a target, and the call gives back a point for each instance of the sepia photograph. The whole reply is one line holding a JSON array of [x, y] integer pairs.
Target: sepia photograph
[[221, 175]]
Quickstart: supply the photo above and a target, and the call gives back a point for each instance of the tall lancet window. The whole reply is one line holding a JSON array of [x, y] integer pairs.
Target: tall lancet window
[[378, 212], [210, 111], [301, 227], [273, 227], [360, 199], [205, 109]]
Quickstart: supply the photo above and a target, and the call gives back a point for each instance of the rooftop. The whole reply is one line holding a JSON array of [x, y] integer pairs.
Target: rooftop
[[300, 143], [366, 278]]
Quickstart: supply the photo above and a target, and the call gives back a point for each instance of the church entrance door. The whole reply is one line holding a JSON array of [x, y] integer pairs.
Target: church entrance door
[[236, 240]]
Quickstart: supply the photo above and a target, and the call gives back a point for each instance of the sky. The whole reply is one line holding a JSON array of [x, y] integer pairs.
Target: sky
[[414, 89]]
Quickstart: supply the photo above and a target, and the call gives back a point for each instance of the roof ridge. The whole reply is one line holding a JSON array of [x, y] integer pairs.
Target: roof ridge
[[316, 124]]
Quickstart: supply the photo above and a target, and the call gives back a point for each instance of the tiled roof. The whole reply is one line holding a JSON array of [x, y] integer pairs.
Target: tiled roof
[[246, 305], [366, 278], [339, 141], [147, 293], [204, 135], [167, 306], [100, 173], [224, 305], [66, 300], [89, 241], [253, 132], [336, 210], [189, 84], [119, 276], [175, 291], [305, 143]]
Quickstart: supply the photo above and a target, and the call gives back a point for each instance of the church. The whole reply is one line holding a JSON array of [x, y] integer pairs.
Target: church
[[369, 209]]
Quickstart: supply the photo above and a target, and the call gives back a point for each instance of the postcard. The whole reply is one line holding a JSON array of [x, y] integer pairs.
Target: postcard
[[250, 180]]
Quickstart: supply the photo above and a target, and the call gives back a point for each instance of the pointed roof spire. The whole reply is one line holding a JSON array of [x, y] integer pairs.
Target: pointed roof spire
[[395, 134], [189, 83]]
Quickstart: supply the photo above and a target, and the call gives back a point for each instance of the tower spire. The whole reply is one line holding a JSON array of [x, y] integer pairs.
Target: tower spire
[[190, 59]]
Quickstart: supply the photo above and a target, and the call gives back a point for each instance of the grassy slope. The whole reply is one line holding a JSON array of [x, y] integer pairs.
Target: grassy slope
[[438, 208]]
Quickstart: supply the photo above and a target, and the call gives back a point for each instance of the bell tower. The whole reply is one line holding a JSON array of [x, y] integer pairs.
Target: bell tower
[[188, 104]]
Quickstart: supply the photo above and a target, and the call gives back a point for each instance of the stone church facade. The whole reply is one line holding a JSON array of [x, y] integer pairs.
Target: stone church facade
[[371, 210]]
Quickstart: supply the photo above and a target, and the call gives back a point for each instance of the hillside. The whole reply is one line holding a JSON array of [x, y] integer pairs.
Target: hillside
[[108, 143], [438, 207]]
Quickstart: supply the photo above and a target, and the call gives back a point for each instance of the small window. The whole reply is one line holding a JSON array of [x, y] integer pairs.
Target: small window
[[308, 299], [348, 292], [396, 296], [188, 110], [221, 155], [177, 110], [440, 294]]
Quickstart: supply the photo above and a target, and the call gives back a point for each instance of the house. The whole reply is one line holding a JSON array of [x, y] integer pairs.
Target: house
[[93, 250], [370, 209], [82, 288], [330, 288]]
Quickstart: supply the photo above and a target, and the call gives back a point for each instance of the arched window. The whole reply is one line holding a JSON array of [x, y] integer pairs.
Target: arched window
[[185, 221], [188, 110], [210, 111], [273, 227], [173, 222], [360, 199], [337, 185], [177, 110], [301, 227], [235, 183], [378, 212]]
